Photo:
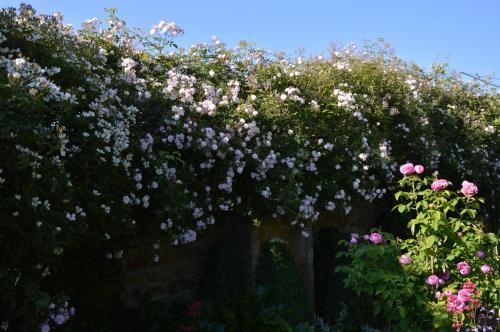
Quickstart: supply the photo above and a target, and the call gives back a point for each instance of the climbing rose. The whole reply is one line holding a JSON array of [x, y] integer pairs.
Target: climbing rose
[[463, 268], [405, 260], [407, 169], [485, 268], [439, 184], [432, 280], [419, 169], [469, 189], [376, 238]]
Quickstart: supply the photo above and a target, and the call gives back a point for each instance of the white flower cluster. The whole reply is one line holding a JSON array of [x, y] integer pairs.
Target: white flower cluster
[[169, 28], [344, 99]]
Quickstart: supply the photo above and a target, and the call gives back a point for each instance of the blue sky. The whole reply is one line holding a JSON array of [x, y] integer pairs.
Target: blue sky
[[466, 34]]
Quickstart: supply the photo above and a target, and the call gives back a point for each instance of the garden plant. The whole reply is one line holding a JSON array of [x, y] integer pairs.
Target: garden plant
[[109, 135], [445, 274]]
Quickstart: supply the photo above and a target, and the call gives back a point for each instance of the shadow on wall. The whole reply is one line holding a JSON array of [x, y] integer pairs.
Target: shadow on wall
[[180, 273]]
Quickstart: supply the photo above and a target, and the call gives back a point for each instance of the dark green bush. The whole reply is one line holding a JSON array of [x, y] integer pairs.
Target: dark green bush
[[277, 272]]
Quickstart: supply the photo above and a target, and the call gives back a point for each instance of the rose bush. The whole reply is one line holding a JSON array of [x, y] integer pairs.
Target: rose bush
[[448, 267], [108, 134]]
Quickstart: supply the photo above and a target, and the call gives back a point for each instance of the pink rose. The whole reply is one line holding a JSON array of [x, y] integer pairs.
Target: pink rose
[[439, 184], [438, 295], [464, 295], [407, 169], [432, 280], [463, 268], [485, 268], [405, 260], [469, 189], [376, 238], [419, 169]]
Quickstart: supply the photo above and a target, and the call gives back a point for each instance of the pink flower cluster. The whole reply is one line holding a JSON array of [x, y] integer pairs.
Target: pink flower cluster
[[465, 300], [409, 168], [464, 268], [375, 238], [469, 189]]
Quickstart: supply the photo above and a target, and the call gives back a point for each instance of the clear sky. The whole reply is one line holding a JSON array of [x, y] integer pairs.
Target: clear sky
[[465, 33]]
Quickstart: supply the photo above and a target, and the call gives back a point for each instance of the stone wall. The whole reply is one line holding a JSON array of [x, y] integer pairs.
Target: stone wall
[[177, 274]]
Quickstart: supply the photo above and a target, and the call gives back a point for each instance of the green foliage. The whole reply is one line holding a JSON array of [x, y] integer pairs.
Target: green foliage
[[376, 276], [250, 311], [337, 304], [277, 272], [445, 231]]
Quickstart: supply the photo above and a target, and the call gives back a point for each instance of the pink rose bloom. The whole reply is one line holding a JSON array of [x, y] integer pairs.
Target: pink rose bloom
[[439, 184], [464, 295], [432, 280], [407, 169], [485, 268], [376, 238], [463, 268], [438, 295], [405, 260], [419, 169], [469, 189]]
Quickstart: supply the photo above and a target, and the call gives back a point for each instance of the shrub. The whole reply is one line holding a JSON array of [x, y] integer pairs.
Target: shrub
[[414, 282], [277, 272], [250, 311]]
